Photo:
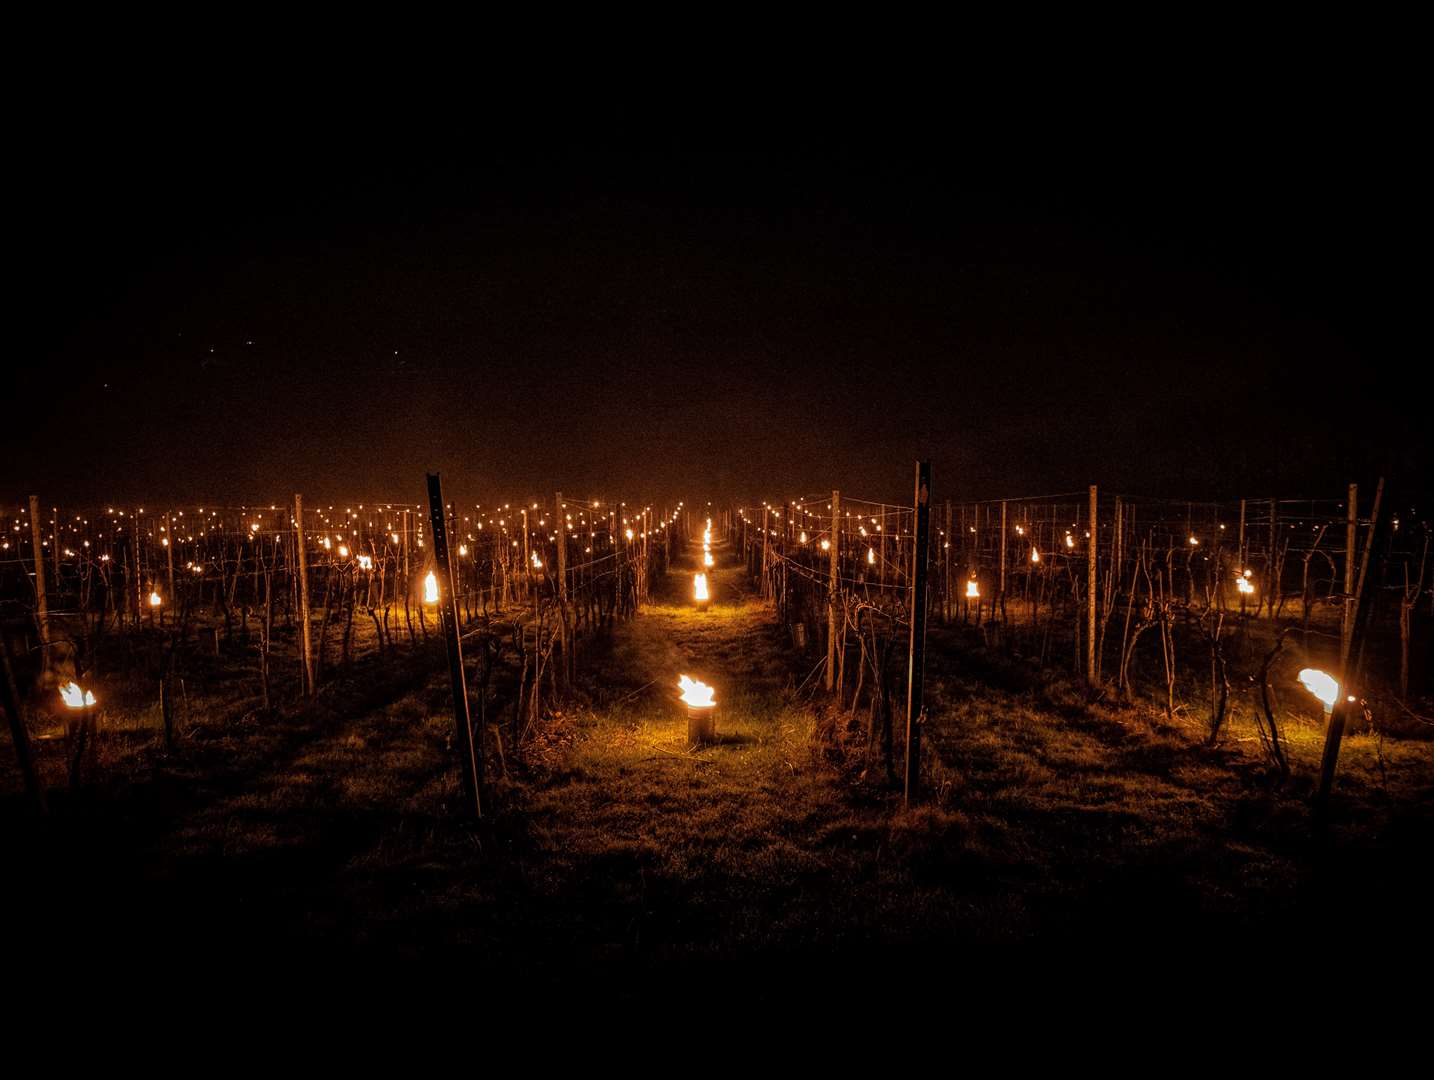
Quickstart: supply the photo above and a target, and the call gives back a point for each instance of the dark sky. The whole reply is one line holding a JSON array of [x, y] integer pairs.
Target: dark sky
[[1210, 303]]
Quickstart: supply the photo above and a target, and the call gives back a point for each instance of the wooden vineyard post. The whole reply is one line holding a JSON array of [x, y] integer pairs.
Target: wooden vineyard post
[[766, 550], [1243, 560], [301, 556], [916, 660], [527, 557], [1001, 589], [1351, 540], [42, 609], [833, 630], [1343, 706], [563, 643], [169, 553], [1090, 576], [138, 580], [975, 561], [1270, 586], [470, 758], [946, 562]]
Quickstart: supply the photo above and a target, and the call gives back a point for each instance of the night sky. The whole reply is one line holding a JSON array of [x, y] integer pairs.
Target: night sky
[[1202, 306]]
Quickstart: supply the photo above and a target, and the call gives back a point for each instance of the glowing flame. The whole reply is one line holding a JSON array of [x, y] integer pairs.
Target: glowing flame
[[803, 537], [1070, 540], [462, 551], [537, 562], [973, 590], [707, 559], [629, 534], [254, 527], [430, 589], [343, 551], [870, 557], [393, 537], [695, 693], [155, 599], [1321, 685], [76, 698], [699, 587], [328, 544], [1194, 542], [1244, 585], [1035, 555], [1020, 530], [365, 562], [826, 545]]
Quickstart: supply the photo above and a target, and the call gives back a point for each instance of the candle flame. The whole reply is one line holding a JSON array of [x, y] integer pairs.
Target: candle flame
[[699, 587], [1321, 685], [870, 557], [155, 599], [430, 588], [696, 693], [343, 551], [1035, 555], [972, 589], [365, 562], [74, 697], [1244, 585], [537, 562]]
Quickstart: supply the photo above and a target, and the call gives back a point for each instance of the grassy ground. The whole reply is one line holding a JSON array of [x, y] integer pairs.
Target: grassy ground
[[619, 859]]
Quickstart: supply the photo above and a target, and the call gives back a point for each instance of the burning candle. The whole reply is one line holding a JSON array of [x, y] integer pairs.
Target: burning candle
[[701, 709], [430, 589], [973, 590], [1321, 685], [75, 698]]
